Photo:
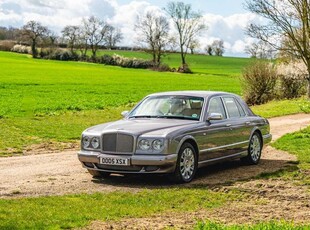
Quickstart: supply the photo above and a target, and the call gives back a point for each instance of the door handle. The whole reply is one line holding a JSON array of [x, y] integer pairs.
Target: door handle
[[228, 125], [248, 123]]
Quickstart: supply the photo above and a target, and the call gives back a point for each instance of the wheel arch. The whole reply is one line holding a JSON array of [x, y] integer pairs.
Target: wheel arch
[[259, 132], [191, 140]]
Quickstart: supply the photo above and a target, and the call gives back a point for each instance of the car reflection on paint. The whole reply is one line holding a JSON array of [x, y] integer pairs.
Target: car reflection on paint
[[175, 133]]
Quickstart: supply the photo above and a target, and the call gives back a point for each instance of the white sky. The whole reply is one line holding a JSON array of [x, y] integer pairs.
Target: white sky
[[226, 19]]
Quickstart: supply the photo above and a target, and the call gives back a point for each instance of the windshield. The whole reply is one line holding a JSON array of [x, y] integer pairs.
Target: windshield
[[174, 107]]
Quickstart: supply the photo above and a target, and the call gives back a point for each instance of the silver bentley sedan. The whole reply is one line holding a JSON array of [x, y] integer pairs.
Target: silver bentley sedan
[[175, 133]]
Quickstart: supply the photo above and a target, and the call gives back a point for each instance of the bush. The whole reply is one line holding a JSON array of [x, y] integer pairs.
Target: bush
[[184, 69], [292, 77], [258, 82], [59, 54], [21, 49], [6, 45], [126, 62], [292, 87]]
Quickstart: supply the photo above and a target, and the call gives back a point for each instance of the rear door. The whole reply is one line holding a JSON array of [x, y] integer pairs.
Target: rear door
[[239, 125]]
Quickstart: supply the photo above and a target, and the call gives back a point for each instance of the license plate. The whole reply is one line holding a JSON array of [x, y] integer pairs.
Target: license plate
[[114, 161]]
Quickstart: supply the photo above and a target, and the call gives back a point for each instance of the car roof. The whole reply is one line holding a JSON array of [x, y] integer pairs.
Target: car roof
[[195, 93]]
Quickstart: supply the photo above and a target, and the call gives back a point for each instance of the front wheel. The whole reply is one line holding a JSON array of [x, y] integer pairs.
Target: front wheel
[[254, 150], [187, 164]]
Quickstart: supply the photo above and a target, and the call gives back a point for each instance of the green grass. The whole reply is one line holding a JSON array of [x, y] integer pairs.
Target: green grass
[[29, 87], [79, 210], [279, 108], [298, 143], [260, 226]]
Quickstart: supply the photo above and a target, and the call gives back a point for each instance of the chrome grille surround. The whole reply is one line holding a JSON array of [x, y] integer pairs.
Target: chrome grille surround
[[118, 143]]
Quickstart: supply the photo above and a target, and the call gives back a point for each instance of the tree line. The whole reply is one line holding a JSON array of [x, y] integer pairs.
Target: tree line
[[154, 34]]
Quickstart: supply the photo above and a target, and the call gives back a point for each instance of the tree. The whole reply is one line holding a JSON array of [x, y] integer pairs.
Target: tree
[[71, 34], [153, 30], [112, 36], [188, 24], [209, 50], [95, 29], [33, 31], [286, 20], [260, 50], [194, 45], [218, 47], [82, 41]]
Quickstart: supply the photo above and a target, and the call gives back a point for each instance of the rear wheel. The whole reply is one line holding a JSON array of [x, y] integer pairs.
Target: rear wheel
[[96, 173], [254, 150], [187, 164]]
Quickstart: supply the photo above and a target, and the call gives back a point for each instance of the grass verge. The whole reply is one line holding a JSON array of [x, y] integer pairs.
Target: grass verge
[[297, 143], [260, 226], [79, 210]]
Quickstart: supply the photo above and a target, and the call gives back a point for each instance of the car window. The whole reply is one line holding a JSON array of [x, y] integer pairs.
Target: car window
[[241, 110], [216, 106], [232, 107]]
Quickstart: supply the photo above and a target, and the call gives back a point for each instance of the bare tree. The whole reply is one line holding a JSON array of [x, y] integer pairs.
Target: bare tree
[[71, 34], [194, 45], [209, 50], [95, 30], [32, 32], [112, 36], [287, 20], [188, 24], [153, 30], [260, 50], [82, 41], [218, 47]]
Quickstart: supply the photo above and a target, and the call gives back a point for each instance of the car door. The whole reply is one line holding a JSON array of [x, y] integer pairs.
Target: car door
[[239, 126], [212, 139]]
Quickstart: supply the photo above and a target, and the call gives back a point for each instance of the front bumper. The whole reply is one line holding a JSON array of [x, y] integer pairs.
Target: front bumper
[[138, 163]]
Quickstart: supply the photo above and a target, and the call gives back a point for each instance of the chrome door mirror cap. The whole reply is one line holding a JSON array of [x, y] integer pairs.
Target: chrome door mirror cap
[[124, 113]]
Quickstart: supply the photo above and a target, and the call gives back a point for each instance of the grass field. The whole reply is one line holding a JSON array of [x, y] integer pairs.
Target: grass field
[[46, 101], [49, 101]]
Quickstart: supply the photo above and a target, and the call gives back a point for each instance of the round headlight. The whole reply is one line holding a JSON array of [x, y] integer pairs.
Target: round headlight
[[95, 142], [85, 142], [157, 144], [144, 144]]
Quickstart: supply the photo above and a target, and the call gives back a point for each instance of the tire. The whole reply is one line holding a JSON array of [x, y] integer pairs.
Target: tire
[[187, 164], [98, 174], [254, 150]]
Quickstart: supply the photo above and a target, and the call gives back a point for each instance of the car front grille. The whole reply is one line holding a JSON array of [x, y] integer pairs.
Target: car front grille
[[117, 143]]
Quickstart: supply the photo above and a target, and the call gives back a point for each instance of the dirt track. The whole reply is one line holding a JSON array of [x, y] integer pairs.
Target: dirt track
[[61, 173]]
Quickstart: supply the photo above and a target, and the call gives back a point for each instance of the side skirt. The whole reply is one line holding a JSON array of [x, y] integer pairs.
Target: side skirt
[[229, 157]]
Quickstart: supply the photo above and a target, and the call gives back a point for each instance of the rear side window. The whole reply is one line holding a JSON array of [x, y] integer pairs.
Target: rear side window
[[234, 110], [216, 106]]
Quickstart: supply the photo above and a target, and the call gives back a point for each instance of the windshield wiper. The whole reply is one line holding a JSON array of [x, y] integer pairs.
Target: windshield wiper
[[178, 117], [142, 116]]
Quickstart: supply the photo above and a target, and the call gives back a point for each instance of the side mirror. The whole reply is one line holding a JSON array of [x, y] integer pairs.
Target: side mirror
[[124, 113], [215, 117]]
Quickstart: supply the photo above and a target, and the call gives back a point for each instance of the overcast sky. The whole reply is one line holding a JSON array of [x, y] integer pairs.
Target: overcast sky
[[226, 19]]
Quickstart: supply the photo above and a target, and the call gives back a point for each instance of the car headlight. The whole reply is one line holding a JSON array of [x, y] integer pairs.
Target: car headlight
[[95, 142], [144, 144], [86, 142], [157, 144]]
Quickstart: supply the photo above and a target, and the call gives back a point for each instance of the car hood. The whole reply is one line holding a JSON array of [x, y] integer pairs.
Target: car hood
[[140, 126]]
